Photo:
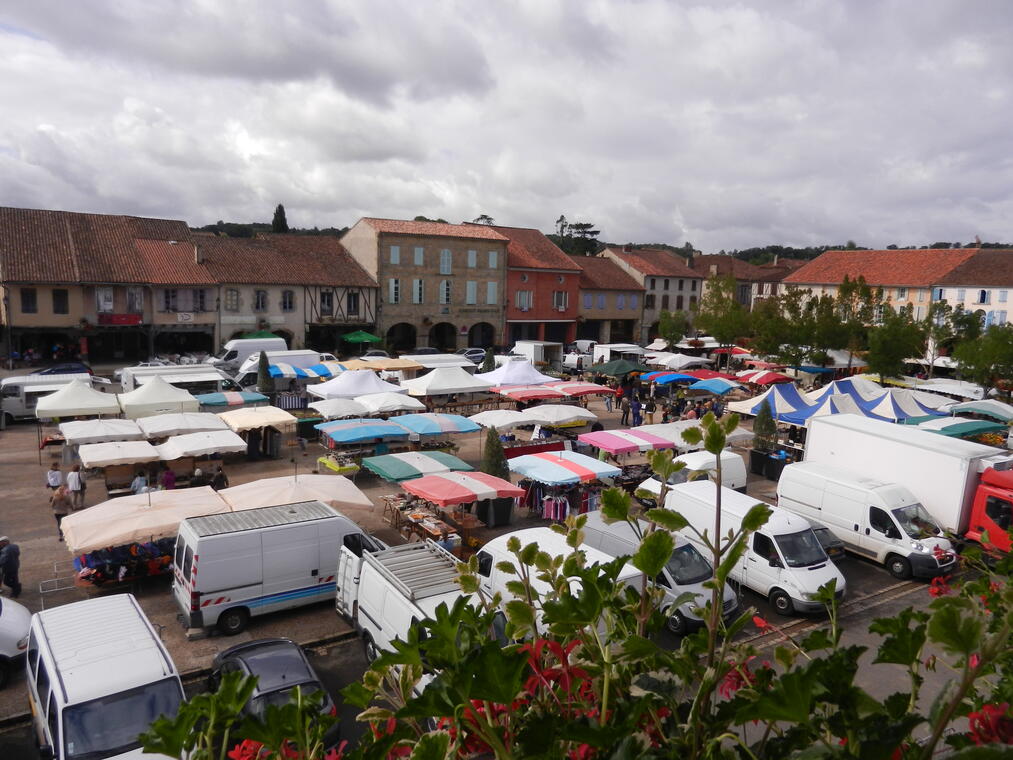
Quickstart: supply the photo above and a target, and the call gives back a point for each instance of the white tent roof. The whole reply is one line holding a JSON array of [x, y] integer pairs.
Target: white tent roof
[[516, 373], [156, 396], [434, 361], [200, 444], [707, 342], [136, 519], [558, 414], [658, 344], [862, 387], [352, 383], [960, 388], [898, 404], [681, 361], [503, 419], [334, 490], [100, 431], [377, 403], [446, 380], [256, 417], [121, 452], [164, 425], [336, 408], [672, 431], [76, 399]]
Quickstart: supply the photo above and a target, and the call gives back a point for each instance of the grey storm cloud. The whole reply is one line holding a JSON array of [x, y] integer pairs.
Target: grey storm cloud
[[728, 124]]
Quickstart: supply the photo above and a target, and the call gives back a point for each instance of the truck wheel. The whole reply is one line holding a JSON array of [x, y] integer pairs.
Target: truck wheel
[[677, 624], [8, 419], [781, 602], [898, 567], [233, 621], [5, 671], [372, 653]]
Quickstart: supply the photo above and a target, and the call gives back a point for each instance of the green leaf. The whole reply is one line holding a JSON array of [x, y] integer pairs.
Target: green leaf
[[615, 504], [756, 517], [666, 518], [432, 746], [904, 637], [655, 550], [693, 436], [505, 566], [732, 556], [789, 699], [527, 554], [955, 625], [520, 613]]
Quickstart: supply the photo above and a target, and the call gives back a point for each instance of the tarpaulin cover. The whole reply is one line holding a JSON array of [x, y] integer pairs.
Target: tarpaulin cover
[[414, 464], [257, 417], [561, 468], [100, 431], [334, 490], [121, 452], [76, 399], [447, 488], [959, 427]]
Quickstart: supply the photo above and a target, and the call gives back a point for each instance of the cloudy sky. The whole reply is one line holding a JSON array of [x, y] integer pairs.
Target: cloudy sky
[[727, 124]]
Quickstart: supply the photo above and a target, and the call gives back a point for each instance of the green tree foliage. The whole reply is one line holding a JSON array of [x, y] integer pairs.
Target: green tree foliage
[[484, 219], [895, 340], [488, 362], [939, 333], [720, 314], [989, 358], [673, 326], [825, 328], [421, 218], [764, 430], [279, 223], [494, 461], [576, 238], [265, 383]]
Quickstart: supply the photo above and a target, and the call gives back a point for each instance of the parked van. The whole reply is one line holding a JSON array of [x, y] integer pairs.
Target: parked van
[[196, 378], [879, 520], [733, 471], [238, 350], [685, 571], [784, 560], [98, 675], [20, 394], [232, 566], [299, 359], [386, 593]]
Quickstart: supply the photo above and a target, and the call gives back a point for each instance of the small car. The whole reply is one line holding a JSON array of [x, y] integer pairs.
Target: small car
[[117, 374], [279, 665], [831, 544], [15, 620], [376, 353], [65, 368], [476, 355]]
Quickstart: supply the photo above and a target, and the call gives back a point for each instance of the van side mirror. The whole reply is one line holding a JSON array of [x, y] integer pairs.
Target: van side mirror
[[775, 562], [892, 532], [45, 752]]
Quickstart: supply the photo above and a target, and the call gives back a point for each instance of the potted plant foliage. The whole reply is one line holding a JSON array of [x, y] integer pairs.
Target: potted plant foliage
[[764, 440]]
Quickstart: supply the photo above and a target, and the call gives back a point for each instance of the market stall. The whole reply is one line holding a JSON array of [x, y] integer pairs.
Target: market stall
[[119, 462], [156, 397], [960, 427], [350, 440], [527, 393], [559, 415], [781, 398], [353, 383], [516, 373], [165, 425], [762, 377], [337, 408], [263, 426], [389, 403], [897, 404], [677, 361], [492, 499], [997, 410], [434, 424], [858, 388], [579, 389], [672, 432], [414, 464], [80, 432], [207, 443], [624, 441], [76, 399], [560, 483], [503, 419], [334, 490], [216, 402]]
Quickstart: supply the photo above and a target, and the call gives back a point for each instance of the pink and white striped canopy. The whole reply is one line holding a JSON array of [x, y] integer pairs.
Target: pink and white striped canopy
[[447, 488], [624, 441]]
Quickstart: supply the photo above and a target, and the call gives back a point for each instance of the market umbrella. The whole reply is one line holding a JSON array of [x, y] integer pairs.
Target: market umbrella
[[383, 403], [624, 441], [708, 374], [716, 386], [577, 388], [529, 392], [289, 371], [99, 431], [667, 376], [561, 468], [956, 427], [361, 336], [617, 368], [559, 414], [990, 408], [254, 417], [448, 488], [200, 445], [119, 452], [503, 419], [178, 423], [762, 377], [334, 490], [432, 423], [336, 408], [413, 464]]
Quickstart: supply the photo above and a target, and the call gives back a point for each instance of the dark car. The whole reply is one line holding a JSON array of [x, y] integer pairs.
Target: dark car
[[831, 544], [280, 665], [65, 368]]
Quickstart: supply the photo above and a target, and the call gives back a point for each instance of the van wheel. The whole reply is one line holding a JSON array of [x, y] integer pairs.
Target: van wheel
[[781, 602], [899, 567], [677, 624], [8, 419], [372, 653], [233, 621], [5, 671]]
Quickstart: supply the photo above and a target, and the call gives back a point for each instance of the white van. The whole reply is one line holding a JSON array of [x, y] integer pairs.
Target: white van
[[733, 471], [98, 675], [195, 378], [19, 394], [386, 593], [879, 520], [784, 560], [232, 566], [238, 350], [685, 571]]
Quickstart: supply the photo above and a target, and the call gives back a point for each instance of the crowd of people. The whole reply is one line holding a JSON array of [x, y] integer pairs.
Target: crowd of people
[[640, 406]]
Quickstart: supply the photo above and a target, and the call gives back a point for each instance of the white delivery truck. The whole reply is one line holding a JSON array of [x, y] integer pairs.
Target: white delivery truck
[[733, 472], [684, 573], [386, 593], [784, 560], [238, 350], [966, 487], [98, 675], [543, 354], [299, 358], [606, 352], [19, 394], [875, 519], [195, 378], [232, 566]]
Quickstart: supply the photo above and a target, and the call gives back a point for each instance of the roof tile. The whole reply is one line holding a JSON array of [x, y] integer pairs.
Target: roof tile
[[655, 261], [725, 266], [988, 267], [604, 274], [907, 268], [434, 229], [530, 249]]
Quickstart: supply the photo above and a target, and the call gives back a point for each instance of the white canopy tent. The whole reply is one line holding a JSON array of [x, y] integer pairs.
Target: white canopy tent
[[950, 387], [352, 383], [446, 380], [76, 399], [437, 361], [99, 431], [119, 452], [336, 408], [516, 373], [165, 425], [241, 420], [672, 431], [334, 490], [200, 444], [156, 397], [558, 414], [503, 419], [678, 361], [658, 344], [382, 403]]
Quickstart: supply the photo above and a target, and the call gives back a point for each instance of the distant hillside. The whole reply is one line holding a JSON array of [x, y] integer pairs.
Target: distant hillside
[[238, 230]]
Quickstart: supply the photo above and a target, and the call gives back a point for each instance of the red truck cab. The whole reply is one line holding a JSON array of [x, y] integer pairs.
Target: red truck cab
[[992, 511]]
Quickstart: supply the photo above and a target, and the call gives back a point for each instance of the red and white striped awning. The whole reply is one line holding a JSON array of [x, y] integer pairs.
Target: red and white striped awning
[[578, 388], [529, 392], [624, 441], [447, 488]]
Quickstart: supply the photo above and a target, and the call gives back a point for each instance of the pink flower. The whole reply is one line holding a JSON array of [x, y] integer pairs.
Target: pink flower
[[973, 661]]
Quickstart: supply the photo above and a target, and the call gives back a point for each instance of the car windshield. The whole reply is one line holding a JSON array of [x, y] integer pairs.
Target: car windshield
[[915, 521], [687, 565], [111, 725], [258, 705], [801, 549]]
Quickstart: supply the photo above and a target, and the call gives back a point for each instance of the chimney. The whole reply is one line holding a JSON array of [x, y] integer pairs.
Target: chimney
[[714, 270], [689, 259], [628, 248], [775, 259], [197, 258]]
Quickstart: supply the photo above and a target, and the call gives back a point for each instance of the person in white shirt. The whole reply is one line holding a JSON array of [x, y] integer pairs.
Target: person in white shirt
[[140, 483], [54, 477], [75, 484]]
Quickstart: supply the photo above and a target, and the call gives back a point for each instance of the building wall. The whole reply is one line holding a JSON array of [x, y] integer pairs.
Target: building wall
[[529, 314], [44, 316], [997, 302]]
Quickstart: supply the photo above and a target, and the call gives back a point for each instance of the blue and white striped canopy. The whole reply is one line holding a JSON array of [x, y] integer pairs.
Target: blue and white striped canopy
[[288, 371]]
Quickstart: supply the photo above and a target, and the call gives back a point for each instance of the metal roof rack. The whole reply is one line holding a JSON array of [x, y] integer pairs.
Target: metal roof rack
[[417, 570], [263, 517]]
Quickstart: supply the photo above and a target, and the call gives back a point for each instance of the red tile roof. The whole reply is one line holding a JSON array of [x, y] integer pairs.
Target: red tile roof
[[907, 268], [725, 266], [988, 267], [604, 274], [530, 249], [657, 262], [283, 260], [168, 262], [434, 229]]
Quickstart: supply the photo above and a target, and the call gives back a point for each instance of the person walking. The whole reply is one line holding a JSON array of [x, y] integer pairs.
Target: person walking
[[54, 477], [10, 564], [608, 400], [636, 407], [75, 485], [624, 407], [649, 409], [61, 504]]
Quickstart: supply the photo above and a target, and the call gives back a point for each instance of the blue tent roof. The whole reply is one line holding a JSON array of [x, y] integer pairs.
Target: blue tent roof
[[832, 404]]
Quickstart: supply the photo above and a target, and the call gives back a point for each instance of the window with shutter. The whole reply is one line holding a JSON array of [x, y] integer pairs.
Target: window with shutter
[[395, 254], [472, 259], [394, 290], [446, 260], [417, 291], [420, 256], [493, 259], [492, 293], [444, 291], [471, 292]]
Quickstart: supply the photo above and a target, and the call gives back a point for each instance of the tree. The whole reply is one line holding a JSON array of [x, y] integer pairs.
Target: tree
[[421, 218], [856, 305], [719, 312], [938, 332], [988, 359], [484, 219], [584, 239], [826, 330], [673, 325], [494, 461], [892, 342], [764, 429], [265, 383], [279, 223], [489, 362]]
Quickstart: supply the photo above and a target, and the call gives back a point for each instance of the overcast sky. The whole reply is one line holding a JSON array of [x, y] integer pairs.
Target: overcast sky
[[725, 124]]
